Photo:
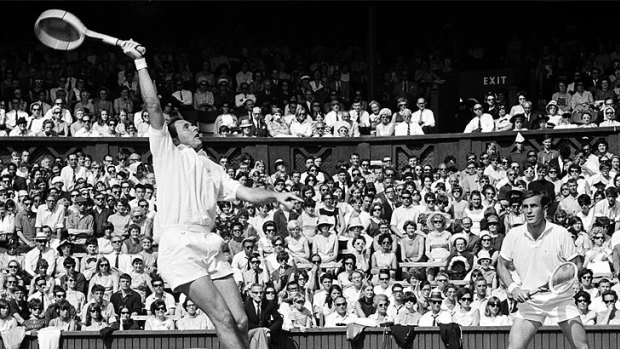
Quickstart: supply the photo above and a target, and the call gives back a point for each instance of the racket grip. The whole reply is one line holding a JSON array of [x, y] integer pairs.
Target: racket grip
[[141, 49]]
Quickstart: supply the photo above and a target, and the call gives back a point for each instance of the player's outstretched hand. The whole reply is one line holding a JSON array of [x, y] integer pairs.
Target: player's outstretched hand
[[133, 49], [287, 199], [520, 295]]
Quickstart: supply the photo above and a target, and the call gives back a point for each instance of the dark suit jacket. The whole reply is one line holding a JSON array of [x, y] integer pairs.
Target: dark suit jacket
[[19, 183], [281, 221], [555, 162], [132, 301], [270, 317], [260, 131]]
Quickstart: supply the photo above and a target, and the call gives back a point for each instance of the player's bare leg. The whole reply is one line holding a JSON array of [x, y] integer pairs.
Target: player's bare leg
[[521, 333], [208, 298], [575, 333], [228, 287]]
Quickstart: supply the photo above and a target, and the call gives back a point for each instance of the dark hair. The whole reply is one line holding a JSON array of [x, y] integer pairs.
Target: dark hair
[[171, 128], [156, 304], [583, 294], [544, 199]]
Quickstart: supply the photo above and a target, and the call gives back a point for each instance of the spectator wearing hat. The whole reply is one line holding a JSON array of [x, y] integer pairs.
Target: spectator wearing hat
[[65, 250], [80, 224], [41, 252], [436, 315], [385, 126], [326, 241], [485, 265], [609, 118], [518, 122], [245, 127], [21, 129], [259, 127]]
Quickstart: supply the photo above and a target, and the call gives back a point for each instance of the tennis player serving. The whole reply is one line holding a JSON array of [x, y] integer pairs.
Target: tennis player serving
[[188, 187], [535, 250]]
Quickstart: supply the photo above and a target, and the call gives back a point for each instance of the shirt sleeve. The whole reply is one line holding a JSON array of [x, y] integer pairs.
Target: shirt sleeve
[[568, 250], [508, 244], [229, 187]]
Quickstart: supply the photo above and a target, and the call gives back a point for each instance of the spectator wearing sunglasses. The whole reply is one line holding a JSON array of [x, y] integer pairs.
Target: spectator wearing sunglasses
[[435, 315], [158, 320]]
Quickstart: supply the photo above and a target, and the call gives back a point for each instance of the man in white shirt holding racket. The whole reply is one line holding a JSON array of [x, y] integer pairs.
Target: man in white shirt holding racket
[[534, 250]]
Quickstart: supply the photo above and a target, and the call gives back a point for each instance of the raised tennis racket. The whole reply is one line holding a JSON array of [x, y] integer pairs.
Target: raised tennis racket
[[562, 279], [62, 30]]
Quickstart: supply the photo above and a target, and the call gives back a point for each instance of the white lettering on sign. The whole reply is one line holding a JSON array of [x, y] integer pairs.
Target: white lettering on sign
[[494, 80]]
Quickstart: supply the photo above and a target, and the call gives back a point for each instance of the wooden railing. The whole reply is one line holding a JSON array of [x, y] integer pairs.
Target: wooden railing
[[330, 338], [430, 149]]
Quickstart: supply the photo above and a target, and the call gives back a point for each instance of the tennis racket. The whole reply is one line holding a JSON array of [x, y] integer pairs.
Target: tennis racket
[[561, 280], [62, 30]]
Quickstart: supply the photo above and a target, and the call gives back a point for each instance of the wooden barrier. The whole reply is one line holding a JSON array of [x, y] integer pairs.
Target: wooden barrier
[[430, 149], [330, 338]]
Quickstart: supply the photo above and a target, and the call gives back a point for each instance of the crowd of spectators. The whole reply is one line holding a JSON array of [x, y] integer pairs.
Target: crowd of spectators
[[81, 239], [275, 91]]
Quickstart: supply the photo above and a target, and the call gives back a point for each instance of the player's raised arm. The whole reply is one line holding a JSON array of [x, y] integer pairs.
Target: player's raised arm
[[136, 51]]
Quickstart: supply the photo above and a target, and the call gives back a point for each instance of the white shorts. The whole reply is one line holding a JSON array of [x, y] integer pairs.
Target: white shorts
[[188, 253], [556, 313]]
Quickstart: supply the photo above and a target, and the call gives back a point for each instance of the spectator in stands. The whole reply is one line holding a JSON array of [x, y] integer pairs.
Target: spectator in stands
[[140, 278], [264, 320], [609, 118], [436, 315], [105, 278], [7, 321], [381, 315], [518, 109], [424, 117], [278, 126], [610, 316], [492, 315], [41, 252], [325, 242], [21, 129], [408, 126], [125, 322], [562, 98], [159, 295], [102, 102], [385, 258], [365, 306], [481, 122], [582, 100], [582, 299], [158, 320], [466, 315], [36, 320], [193, 318], [87, 129]]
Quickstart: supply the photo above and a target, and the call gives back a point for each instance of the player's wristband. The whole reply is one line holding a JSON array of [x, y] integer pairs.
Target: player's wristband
[[512, 287], [140, 63]]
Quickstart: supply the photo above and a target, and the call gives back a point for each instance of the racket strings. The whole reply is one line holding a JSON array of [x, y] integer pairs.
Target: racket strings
[[563, 278]]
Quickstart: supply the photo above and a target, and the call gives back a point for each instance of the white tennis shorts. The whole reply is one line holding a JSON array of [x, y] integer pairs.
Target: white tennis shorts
[[188, 253], [556, 312]]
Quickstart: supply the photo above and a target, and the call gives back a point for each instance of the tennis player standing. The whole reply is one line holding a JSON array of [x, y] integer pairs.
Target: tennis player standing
[[534, 250], [189, 186]]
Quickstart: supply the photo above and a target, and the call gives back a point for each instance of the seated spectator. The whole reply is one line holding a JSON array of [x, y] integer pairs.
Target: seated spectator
[[597, 259], [481, 121], [105, 307], [385, 258], [264, 321], [408, 315], [465, 314], [7, 321], [352, 126], [407, 127], [340, 317], [609, 118], [327, 307], [86, 130], [299, 316], [582, 300], [64, 320], [50, 282], [160, 294], [37, 319], [75, 296], [158, 321], [518, 122], [610, 315], [194, 318], [104, 277], [125, 322], [325, 241], [126, 297], [460, 262], [436, 315], [493, 316], [385, 127], [94, 319], [566, 120]]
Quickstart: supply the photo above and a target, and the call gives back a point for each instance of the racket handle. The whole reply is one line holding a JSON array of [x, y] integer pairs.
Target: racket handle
[[110, 40]]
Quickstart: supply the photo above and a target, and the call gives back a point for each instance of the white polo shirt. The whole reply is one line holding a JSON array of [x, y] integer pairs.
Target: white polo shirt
[[189, 185], [535, 260]]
